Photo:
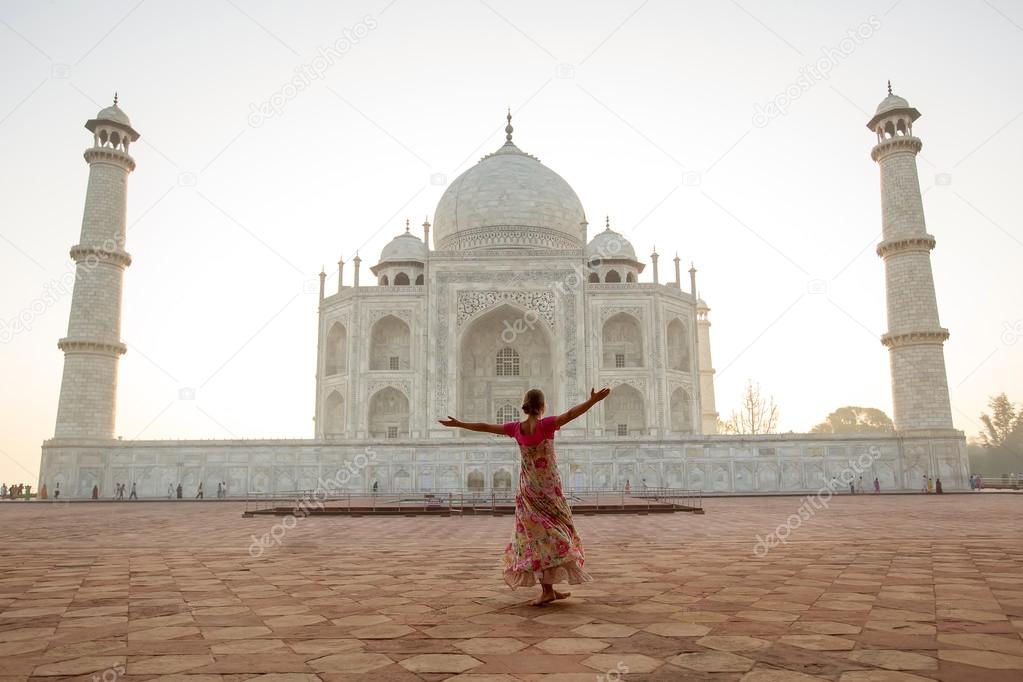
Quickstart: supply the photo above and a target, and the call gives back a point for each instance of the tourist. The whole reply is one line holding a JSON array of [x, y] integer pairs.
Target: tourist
[[628, 486], [134, 495], [95, 491], [28, 492], [859, 486], [198, 493], [44, 493], [852, 488], [3, 491], [877, 485], [220, 489], [170, 491], [56, 491], [937, 486], [980, 482], [180, 490], [925, 482], [376, 486], [545, 547], [930, 484]]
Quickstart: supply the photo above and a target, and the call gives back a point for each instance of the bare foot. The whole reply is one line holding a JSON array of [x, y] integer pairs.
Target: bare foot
[[562, 595], [545, 598]]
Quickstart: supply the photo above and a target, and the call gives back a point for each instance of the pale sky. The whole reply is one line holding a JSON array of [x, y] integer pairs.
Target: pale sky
[[646, 108]]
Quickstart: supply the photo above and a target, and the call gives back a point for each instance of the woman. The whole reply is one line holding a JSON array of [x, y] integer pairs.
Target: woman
[[545, 547]]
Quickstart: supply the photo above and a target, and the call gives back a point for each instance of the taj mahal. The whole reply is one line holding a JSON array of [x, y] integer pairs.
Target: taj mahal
[[509, 288]]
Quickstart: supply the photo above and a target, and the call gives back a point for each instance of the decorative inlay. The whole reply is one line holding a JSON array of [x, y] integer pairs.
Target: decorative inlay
[[608, 312], [470, 303], [498, 236], [373, 386], [404, 315], [100, 154]]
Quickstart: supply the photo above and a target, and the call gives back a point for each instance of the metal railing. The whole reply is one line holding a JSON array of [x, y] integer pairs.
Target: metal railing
[[467, 501]]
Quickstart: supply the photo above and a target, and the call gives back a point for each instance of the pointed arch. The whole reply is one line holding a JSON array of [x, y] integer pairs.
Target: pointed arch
[[388, 414], [625, 411], [622, 341], [383, 280], [390, 344], [336, 360], [334, 417], [613, 277], [678, 346], [502, 353], [419, 278], [681, 409]]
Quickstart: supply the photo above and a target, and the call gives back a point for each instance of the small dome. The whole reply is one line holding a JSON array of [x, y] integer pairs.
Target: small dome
[[890, 103], [404, 247], [115, 114], [609, 244]]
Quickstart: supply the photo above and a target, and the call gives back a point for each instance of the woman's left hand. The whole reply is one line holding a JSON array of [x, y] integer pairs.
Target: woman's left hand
[[450, 421], [597, 396]]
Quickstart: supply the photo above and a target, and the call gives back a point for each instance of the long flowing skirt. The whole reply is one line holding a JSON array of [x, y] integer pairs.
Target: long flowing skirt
[[545, 547]]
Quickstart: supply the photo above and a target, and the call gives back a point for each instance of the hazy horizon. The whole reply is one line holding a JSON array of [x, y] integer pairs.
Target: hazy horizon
[[656, 113]]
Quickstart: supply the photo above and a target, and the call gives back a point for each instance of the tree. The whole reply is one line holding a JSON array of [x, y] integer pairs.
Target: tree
[[757, 414], [1004, 419], [1001, 443], [853, 419]]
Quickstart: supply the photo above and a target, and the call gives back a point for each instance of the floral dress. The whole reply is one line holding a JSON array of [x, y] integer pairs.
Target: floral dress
[[545, 547]]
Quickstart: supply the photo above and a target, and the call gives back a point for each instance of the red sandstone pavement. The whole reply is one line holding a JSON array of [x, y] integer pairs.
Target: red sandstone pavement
[[870, 589]]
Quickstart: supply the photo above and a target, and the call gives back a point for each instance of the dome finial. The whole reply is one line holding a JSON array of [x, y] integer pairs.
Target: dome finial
[[508, 128], [607, 222], [406, 225], [115, 98], [889, 87]]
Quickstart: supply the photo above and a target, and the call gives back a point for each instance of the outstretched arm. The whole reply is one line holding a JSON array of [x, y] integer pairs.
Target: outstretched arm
[[581, 409], [473, 426]]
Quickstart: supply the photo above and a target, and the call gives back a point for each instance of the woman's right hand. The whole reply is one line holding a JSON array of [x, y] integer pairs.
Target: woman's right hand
[[597, 396], [450, 421]]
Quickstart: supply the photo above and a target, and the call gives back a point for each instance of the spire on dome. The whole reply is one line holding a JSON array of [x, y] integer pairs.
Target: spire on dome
[[508, 128], [889, 87], [115, 98], [406, 225], [607, 222]]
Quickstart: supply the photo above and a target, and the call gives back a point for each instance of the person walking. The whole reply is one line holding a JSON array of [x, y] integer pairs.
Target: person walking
[[545, 546], [930, 484], [170, 491], [56, 491], [198, 493], [937, 486], [180, 490], [134, 495], [877, 485], [95, 491]]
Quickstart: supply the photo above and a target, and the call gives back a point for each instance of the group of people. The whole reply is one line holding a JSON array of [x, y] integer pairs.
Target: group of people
[[15, 491], [976, 482], [932, 485], [179, 491]]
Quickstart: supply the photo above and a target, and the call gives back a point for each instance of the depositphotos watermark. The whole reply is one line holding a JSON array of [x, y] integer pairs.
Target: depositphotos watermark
[[813, 73], [312, 500], [811, 504], [56, 289], [615, 674], [306, 74]]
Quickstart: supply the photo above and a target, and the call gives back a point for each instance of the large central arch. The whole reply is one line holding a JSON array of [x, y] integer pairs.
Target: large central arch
[[502, 354]]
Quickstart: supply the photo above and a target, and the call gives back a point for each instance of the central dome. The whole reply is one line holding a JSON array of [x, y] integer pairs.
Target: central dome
[[509, 200]]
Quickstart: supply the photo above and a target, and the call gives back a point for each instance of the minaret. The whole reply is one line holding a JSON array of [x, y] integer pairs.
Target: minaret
[[92, 347], [358, 262], [653, 259], [340, 274], [915, 337]]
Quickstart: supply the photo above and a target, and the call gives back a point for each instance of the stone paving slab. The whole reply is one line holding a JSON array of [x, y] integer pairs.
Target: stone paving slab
[[870, 589]]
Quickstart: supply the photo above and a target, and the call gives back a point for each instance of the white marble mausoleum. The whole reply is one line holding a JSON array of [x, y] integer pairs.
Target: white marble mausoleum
[[508, 289]]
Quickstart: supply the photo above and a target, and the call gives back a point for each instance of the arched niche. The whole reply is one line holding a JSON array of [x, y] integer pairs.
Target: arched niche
[[625, 411], [334, 418], [337, 349], [622, 341], [501, 354], [681, 409], [390, 341], [388, 414], [678, 346]]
